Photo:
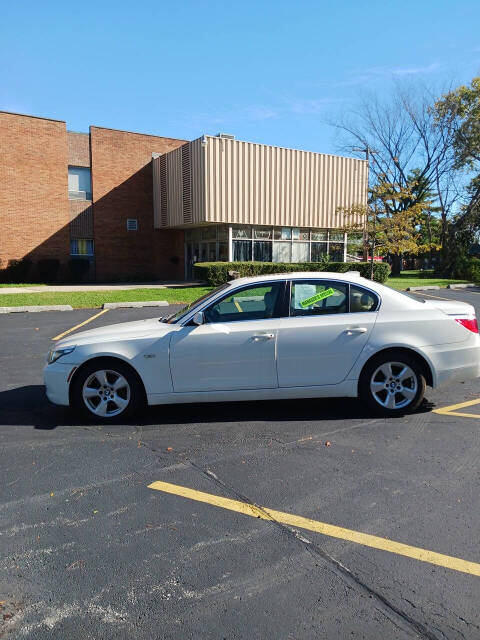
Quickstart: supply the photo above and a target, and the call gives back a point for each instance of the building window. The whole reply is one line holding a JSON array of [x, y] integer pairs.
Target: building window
[[241, 232], [242, 250], [282, 251], [355, 246], [79, 183], [264, 244], [262, 233], [223, 251], [319, 251], [81, 247], [262, 251], [132, 224], [282, 233], [300, 252], [336, 251]]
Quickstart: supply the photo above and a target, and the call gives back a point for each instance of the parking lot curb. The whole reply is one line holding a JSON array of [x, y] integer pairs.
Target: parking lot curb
[[432, 287], [36, 308], [135, 305], [461, 286]]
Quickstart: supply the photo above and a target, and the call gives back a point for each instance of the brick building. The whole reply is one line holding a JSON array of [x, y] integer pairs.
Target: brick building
[[142, 206]]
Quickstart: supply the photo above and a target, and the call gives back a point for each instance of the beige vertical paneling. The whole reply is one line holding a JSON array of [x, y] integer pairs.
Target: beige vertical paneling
[[200, 183], [248, 183]]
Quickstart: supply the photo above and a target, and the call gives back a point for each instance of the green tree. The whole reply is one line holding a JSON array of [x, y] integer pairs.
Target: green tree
[[461, 109], [407, 140], [389, 222]]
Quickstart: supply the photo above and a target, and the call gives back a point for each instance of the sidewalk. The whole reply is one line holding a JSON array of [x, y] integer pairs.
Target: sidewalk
[[67, 288]]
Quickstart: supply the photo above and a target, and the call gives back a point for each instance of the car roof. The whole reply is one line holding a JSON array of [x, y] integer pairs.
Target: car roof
[[303, 275]]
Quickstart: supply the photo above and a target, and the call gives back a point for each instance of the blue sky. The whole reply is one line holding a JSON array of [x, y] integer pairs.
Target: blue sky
[[272, 72]]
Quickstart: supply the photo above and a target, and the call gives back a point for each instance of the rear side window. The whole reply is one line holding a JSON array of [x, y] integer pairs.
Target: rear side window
[[362, 300], [318, 297]]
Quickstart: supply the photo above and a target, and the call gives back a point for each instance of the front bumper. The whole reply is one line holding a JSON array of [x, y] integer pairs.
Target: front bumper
[[56, 378]]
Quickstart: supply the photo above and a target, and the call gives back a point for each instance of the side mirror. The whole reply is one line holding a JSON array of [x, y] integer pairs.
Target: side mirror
[[199, 318]]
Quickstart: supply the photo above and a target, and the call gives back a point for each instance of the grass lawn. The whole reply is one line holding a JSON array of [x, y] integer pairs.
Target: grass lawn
[[94, 299], [174, 295], [419, 279], [23, 284]]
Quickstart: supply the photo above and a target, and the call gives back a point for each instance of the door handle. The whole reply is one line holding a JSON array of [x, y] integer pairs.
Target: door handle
[[351, 330], [263, 336]]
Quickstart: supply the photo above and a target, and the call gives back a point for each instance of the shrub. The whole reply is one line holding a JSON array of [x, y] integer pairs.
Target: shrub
[[16, 271], [48, 269], [78, 268], [471, 270], [216, 273]]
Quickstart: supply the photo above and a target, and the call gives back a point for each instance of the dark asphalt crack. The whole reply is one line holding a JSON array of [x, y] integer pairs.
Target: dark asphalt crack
[[387, 607], [395, 614]]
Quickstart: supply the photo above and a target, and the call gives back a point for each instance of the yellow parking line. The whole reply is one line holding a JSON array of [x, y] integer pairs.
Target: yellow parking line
[[450, 410], [77, 326], [365, 539], [237, 304], [429, 295]]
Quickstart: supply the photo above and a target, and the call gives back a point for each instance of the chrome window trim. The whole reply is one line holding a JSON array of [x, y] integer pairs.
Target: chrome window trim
[[347, 282], [231, 292]]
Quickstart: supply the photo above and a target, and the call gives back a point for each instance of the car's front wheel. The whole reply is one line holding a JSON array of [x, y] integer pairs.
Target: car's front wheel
[[107, 390], [393, 384]]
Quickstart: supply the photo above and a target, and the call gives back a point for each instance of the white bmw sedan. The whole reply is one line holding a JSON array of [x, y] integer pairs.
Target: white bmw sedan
[[298, 335]]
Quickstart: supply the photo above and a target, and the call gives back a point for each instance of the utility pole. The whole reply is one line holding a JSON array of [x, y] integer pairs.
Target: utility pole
[[367, 150]]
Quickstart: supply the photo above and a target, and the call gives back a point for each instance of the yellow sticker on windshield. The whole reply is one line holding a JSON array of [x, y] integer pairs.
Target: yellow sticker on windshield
[[318, 296]]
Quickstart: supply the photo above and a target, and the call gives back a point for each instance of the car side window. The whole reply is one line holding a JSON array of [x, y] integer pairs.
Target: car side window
[[252, 303], [362, 300], [318, 297]]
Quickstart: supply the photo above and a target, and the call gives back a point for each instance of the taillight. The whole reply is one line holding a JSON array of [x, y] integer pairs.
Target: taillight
[[468, 323]]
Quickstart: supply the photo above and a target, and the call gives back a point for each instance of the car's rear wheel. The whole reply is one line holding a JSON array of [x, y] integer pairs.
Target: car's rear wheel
[[107, 390], [393, 383]]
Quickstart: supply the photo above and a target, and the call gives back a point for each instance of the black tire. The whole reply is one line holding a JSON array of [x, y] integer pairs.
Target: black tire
[[129, 399], [407, 394]]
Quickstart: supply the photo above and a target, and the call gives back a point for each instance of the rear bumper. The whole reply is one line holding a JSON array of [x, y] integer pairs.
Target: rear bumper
[[55, 377], [454, 362]]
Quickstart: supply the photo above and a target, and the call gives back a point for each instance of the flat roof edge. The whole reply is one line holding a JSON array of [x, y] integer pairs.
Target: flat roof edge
[[28, 115], [138, 133], [276, 146]]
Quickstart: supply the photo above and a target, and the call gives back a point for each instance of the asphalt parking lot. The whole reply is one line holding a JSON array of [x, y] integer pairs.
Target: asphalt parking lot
[[163, 527]]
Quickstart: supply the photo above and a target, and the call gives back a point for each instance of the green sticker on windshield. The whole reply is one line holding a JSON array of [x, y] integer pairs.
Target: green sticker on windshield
[[319, 296]]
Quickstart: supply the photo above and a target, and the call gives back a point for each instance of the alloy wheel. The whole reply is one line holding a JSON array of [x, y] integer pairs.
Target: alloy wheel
[[394, 385], [106, 393]]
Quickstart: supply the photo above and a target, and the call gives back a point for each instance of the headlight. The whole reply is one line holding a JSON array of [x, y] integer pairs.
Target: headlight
[[55, 354]]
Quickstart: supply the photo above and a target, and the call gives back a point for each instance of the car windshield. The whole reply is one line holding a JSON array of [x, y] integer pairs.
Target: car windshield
[[175, 317]]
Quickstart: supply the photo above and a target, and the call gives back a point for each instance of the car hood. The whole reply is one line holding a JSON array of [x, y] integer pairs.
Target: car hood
[[120, 331]]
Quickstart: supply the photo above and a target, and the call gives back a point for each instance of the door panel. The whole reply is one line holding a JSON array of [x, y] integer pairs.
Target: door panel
[[318, 350], [236, 346], [320, 342], [225, 356]]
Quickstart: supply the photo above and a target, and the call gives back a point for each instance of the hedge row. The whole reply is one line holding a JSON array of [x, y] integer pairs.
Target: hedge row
[[468, 269], [44, 270], [216, 273]]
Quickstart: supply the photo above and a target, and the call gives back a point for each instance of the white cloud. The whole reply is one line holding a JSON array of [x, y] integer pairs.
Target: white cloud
[[374, 73], [306, 106], [406, 71], [260, 112]]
